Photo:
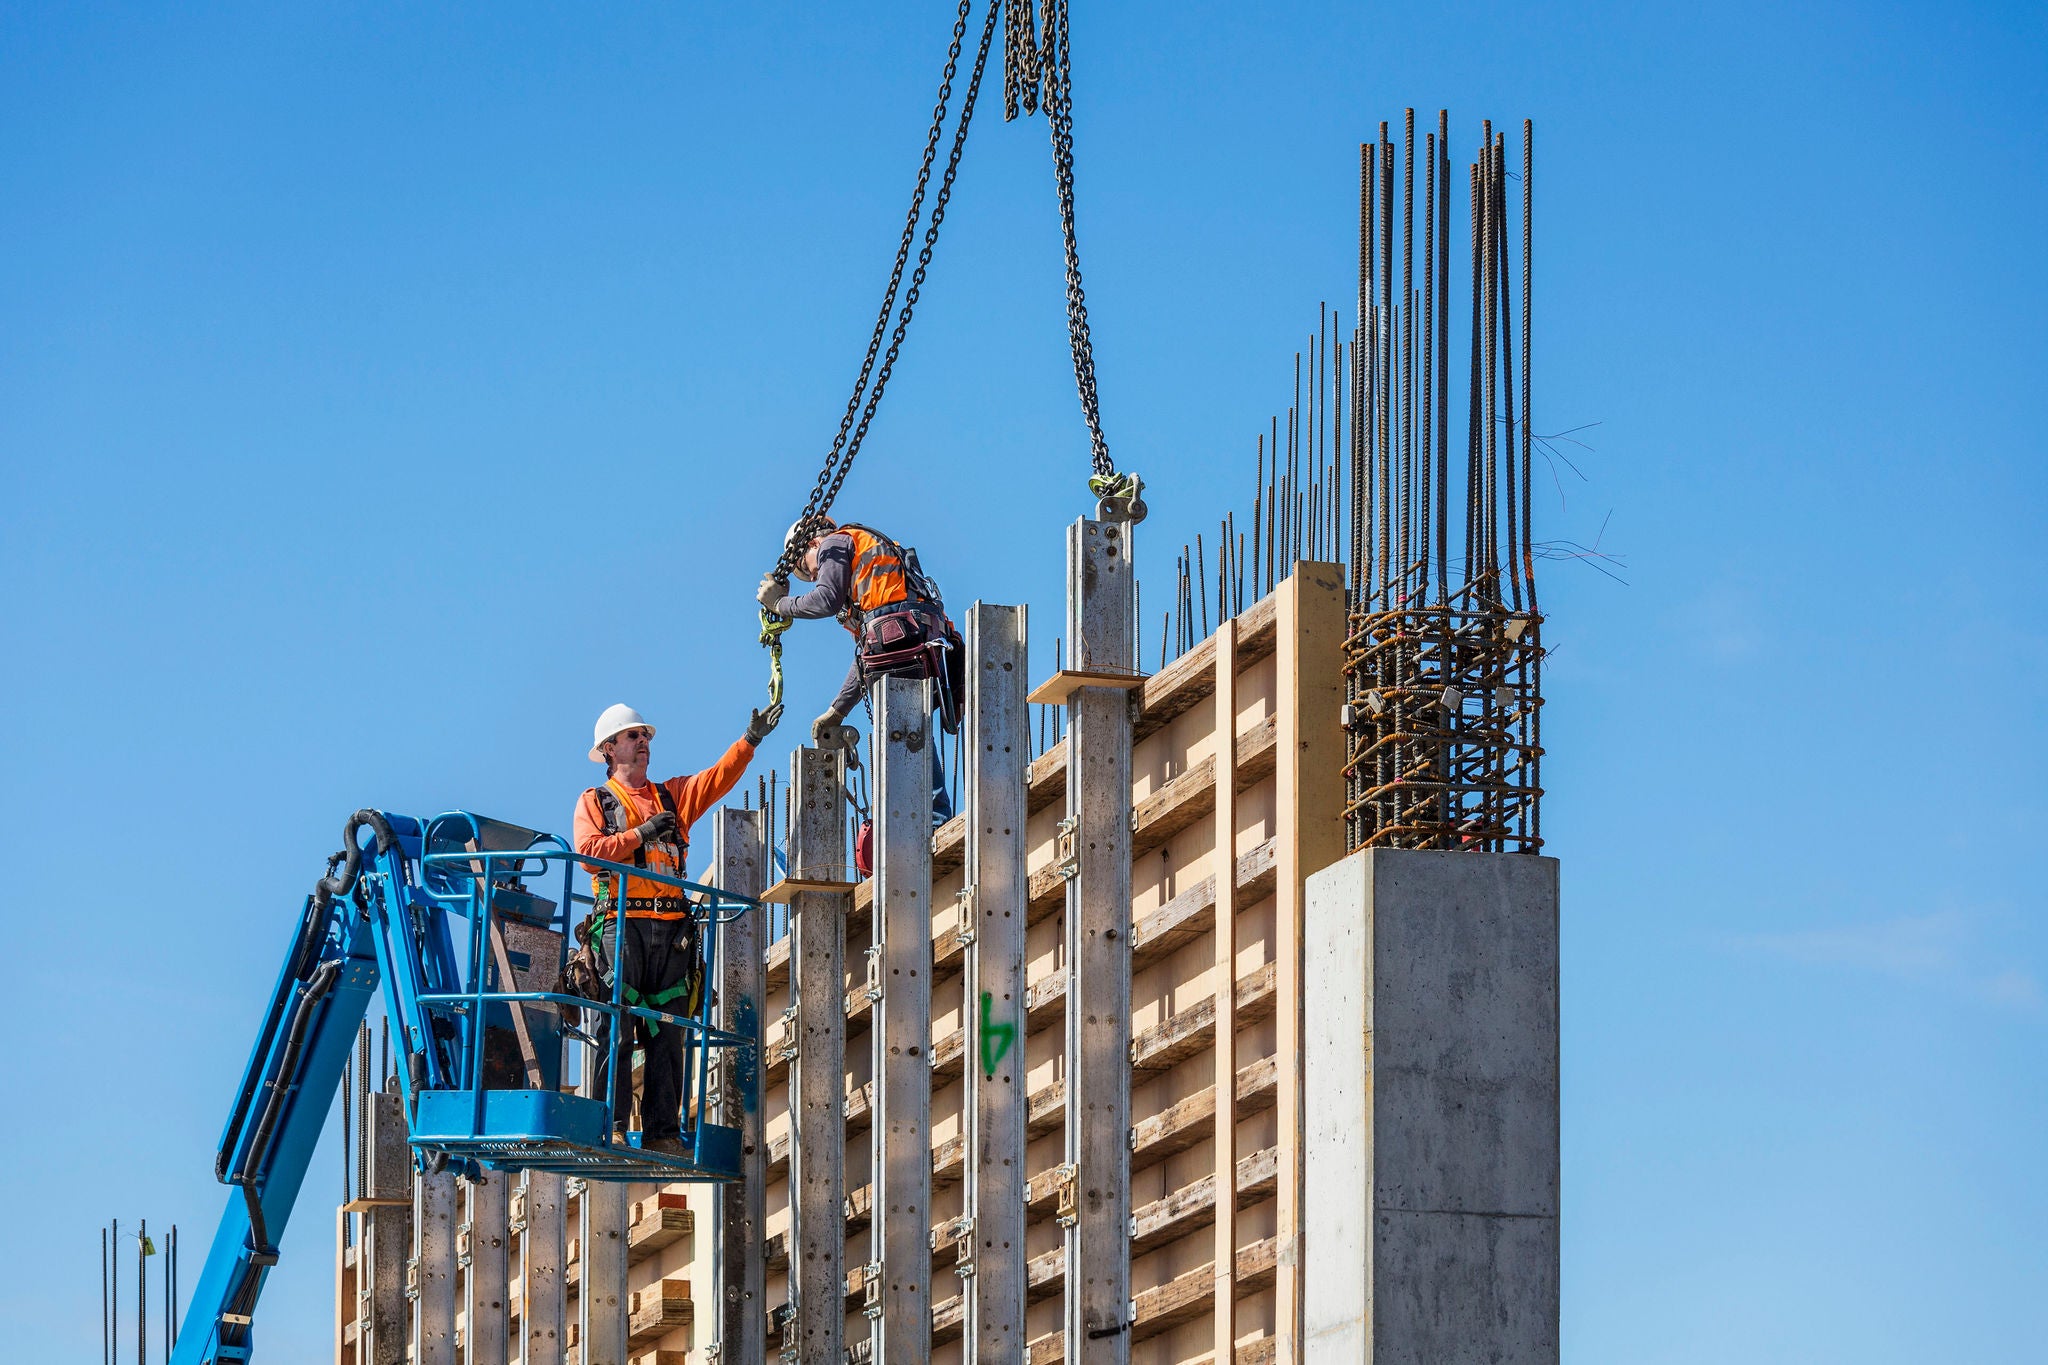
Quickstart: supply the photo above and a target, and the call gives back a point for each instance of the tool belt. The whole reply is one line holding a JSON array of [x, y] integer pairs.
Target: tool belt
[[911, 641], [658, 905]]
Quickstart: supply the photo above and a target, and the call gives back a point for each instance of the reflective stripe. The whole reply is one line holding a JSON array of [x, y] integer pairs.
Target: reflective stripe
[[878, 579], [622, 813]]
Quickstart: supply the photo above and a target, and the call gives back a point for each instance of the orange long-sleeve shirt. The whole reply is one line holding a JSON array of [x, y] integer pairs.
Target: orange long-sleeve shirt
[[692, 795]]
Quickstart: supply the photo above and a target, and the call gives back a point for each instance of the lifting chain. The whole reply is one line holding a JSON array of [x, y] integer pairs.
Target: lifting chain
[[860, 408], [1037, 72]]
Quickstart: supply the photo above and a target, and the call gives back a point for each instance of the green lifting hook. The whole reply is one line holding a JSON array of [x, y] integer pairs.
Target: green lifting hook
[[772, 627]]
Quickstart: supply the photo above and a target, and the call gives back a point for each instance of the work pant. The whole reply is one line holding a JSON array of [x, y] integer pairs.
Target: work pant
[[655, 955]]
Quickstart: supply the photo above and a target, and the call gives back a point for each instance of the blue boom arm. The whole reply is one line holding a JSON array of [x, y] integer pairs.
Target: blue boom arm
[[392, 912]]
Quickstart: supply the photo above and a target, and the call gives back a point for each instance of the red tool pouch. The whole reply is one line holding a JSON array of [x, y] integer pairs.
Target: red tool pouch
[[864, 849]]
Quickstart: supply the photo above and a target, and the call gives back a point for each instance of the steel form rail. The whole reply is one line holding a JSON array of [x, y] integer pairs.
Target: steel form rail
[[897, 1281]]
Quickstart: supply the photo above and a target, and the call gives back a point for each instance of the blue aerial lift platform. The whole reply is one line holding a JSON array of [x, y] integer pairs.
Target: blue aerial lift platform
[[439, 913]]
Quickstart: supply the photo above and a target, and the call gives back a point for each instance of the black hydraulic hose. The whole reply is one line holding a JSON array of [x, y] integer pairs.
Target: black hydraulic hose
[[312, 925], [305, 997], [331, 885]]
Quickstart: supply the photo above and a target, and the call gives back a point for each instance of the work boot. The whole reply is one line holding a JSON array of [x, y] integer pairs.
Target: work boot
[[668, 1146], [620, 1136]]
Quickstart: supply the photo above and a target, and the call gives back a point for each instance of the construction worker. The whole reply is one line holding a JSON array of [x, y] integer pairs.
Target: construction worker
[[629, 819], [894, 612]]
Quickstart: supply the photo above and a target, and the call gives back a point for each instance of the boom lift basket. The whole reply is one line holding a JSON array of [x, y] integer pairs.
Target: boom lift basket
[[486, 1043]]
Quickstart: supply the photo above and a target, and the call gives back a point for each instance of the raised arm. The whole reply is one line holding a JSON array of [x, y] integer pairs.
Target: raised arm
[[834, 588]]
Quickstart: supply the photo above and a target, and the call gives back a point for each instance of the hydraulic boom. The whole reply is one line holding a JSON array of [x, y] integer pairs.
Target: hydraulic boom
[[439, 913]]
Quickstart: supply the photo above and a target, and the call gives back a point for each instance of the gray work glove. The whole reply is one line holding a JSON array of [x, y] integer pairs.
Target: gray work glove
[[825, 731], [771, 591], [660, 825], [762, 723]]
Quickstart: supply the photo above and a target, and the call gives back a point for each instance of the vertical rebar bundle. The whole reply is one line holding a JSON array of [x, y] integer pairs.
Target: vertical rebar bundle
[[1443, 667]]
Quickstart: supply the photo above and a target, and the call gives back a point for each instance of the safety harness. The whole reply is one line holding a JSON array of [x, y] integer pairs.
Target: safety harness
[[620, 814]]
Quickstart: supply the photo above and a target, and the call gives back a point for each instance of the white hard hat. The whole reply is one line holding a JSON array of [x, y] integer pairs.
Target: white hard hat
[[614, 719], [797, 536]]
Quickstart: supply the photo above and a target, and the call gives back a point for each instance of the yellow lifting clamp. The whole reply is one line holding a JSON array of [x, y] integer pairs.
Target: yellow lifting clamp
[[772, 627]]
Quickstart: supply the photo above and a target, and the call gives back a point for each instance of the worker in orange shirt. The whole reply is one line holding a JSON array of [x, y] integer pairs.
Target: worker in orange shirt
[[891, 607], [629, 819]]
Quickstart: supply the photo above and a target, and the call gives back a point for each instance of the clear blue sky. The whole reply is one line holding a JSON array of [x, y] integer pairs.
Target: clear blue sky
[[384, 392]]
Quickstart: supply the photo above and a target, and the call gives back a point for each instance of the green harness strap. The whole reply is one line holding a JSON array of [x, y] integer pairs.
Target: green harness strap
[[598, 924], [660, 999]]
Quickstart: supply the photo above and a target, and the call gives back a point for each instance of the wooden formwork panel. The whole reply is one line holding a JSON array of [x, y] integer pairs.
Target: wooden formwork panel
[[1279, 762]]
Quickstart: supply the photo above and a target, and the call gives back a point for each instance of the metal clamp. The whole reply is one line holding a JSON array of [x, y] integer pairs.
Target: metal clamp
[[1066, 1193], [1066, 850], [873, 990], [1120, 498], [871, 1289], [964, 911], [786, 1050], [961, 1230]]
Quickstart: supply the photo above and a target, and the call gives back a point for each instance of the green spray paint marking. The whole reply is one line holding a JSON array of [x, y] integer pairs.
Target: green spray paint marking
[[995, 1038]]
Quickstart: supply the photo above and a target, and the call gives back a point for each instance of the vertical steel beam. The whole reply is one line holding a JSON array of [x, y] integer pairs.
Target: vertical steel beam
[[997, 738], [434, 1204], [385, 1242], [817, 1076], [543, 1301], [739, 864], [601, 1290], [1098, 1059], [900, 1231], [486, 1284], [1224, 974]]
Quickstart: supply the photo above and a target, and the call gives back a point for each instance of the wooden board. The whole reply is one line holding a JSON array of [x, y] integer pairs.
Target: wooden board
[[1055, 691]]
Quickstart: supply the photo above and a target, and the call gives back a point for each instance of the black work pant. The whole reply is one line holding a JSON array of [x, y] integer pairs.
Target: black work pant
[[655, 955]]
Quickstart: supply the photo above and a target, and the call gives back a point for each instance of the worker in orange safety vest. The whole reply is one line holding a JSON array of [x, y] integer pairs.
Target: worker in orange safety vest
[[646, 927], [892, 608]]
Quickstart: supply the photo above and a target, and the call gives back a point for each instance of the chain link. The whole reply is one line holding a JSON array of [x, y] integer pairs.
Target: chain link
[[860, 408], [1036, 74], [1032, 61]]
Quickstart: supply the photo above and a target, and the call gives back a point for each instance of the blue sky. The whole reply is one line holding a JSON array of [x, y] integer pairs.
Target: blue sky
[[383, 392]]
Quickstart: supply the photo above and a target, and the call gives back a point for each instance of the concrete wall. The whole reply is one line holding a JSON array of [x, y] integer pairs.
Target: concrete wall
[[1431, 1115]]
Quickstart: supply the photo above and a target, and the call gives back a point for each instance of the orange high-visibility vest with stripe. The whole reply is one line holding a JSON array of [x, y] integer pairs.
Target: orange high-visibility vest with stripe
[[878, 577], [665, 856]]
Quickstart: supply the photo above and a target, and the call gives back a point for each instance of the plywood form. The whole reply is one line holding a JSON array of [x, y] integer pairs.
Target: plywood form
[[1174, 958]]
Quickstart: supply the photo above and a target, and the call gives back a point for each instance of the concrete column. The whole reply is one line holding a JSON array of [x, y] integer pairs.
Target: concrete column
[[900, 1231], [817, 1077], [1098, 1246], [486, 1285], [1431, 1142], [739, 864], [997, 738], [601, 1290], [543, 1238], [435, 1201], [381, 1310]]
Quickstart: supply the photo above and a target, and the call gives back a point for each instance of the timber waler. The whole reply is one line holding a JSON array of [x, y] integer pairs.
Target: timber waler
[[440, 913]]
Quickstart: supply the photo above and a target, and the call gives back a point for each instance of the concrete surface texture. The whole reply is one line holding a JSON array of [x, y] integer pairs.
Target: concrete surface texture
[[1431, 1128]]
